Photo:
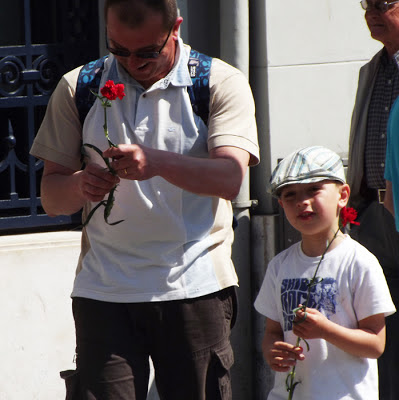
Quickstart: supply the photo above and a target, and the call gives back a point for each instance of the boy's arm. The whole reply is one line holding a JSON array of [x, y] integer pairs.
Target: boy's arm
[[281, 356], [367, 341]]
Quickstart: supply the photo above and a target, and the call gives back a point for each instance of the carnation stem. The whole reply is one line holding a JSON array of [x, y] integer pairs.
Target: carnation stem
[[105, 126], [290, 382], [109, 92]]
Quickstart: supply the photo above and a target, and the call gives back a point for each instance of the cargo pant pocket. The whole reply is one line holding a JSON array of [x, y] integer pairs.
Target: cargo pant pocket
[[223, 360], [72, 382]]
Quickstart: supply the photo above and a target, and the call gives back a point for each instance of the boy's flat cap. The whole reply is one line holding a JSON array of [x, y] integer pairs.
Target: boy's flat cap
[[306, 165]]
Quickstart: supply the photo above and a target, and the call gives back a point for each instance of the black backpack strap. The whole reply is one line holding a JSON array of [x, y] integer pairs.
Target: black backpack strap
[[89, 79], [199, 66]]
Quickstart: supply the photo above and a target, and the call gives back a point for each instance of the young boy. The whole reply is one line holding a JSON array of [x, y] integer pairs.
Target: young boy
[[344, 322]]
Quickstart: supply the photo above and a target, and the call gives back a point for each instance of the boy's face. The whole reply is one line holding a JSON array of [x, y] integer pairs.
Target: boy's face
[[313, 208]]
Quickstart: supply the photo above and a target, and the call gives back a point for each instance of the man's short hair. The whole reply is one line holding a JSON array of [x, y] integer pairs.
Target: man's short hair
[[134, 12]]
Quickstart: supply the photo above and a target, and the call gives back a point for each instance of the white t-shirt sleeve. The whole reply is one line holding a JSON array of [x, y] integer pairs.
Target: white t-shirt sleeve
[[265, 302], [371, 294]]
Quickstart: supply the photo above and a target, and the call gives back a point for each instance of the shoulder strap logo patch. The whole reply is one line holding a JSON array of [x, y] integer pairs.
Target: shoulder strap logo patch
[[199, 66]]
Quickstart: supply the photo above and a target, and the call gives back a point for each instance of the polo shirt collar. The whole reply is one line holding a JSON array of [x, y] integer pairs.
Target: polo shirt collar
[[179, 75]]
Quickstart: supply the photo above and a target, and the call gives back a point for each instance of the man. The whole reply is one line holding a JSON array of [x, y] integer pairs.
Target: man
[[160, 283], [377, 90]]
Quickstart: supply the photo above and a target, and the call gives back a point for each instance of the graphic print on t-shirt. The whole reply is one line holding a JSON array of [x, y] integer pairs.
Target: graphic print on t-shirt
[[294, 292]]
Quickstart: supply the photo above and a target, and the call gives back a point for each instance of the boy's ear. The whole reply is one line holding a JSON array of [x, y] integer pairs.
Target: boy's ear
[[344, 195], [280, 202]]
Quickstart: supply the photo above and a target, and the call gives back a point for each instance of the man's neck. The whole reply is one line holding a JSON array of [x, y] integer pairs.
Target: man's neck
[[392, 49], [165, 71]]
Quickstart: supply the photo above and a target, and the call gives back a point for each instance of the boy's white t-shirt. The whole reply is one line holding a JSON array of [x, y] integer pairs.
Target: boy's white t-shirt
[[353, 287]]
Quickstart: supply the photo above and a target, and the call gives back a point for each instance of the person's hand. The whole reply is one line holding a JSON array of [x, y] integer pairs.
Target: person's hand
[[95, 182], [310, 324], [131, 161], [282, 356]]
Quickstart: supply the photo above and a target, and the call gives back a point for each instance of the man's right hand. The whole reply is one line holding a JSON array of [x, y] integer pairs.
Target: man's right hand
[[64, 191], [95, 182]]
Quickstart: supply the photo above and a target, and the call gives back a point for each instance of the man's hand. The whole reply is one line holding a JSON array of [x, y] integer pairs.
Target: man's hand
[[95, 182], [131, 161], [64, 191]]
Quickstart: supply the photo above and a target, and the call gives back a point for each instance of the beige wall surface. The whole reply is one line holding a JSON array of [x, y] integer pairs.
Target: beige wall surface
[[314, 52], [37, 336]]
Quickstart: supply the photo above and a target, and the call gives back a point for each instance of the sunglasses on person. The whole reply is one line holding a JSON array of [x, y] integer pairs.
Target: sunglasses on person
[[382, 6], [138, 54]]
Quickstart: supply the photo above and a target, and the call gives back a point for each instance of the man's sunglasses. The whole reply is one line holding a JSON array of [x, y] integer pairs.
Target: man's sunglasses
[[382, 6], [138, 54]]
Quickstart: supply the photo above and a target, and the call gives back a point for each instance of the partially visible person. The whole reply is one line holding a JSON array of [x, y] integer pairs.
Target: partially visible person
[[344, 319], [378, 87], [391, 201], [160, 284]]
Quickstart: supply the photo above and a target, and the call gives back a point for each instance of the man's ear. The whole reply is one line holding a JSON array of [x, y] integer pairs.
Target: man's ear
[[280, 202], [344, 192], [176, 26]]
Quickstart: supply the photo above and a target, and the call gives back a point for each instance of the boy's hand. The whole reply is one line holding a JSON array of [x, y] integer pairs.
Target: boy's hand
[[310, 324], [282, 356]]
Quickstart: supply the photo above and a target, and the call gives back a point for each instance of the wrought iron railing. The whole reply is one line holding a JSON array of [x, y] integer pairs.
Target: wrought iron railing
[[29, 73]]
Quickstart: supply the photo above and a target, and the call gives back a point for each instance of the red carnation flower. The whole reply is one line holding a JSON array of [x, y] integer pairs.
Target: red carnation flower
[[348, 215], [112, 91]]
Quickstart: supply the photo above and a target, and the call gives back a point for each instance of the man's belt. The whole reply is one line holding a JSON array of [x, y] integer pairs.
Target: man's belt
[[381, 195], [370, 194]]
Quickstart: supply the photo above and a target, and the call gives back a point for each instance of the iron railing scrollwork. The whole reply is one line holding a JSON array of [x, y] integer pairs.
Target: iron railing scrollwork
[[15, 76], [28, 75]]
